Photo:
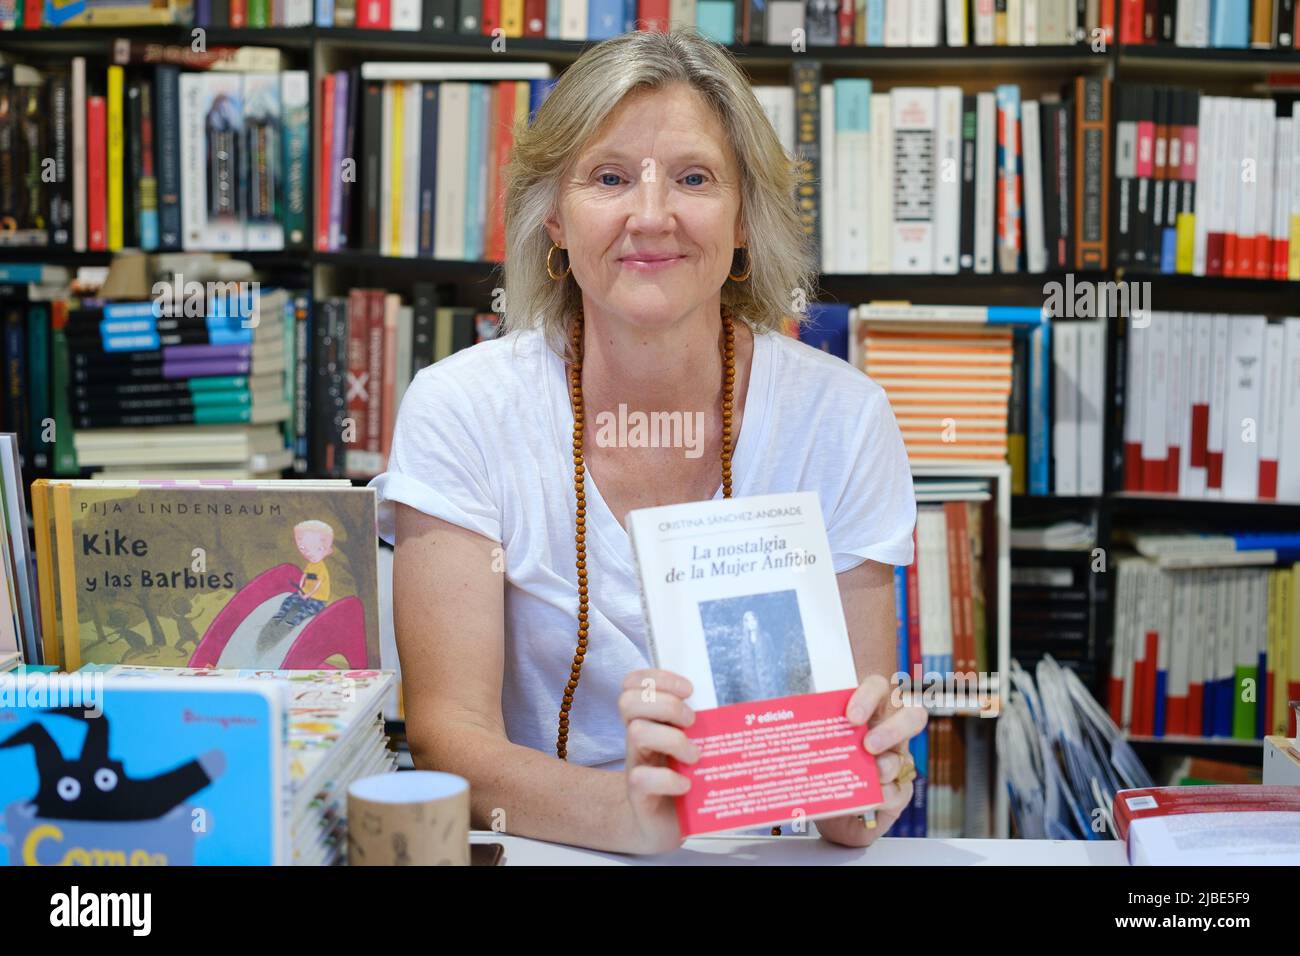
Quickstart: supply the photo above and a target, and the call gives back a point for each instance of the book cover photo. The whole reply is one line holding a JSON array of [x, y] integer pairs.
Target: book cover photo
[[153, 773], [261, 577], [740, 598]]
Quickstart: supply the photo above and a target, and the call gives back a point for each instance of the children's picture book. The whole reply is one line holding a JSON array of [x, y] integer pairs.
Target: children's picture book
[[268, 575], [740, 597], [115, 772]]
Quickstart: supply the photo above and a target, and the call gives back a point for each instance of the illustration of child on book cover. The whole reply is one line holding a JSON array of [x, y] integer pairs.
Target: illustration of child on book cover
[[221, 577]]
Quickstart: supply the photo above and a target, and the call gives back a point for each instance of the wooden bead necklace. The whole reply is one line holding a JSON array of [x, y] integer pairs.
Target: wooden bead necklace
[[579, 472]]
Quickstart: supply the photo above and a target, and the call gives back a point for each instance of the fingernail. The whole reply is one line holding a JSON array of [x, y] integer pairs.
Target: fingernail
[[875, 742], [856, 714]]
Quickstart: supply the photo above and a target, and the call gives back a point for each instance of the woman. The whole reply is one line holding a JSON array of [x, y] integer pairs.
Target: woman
[[653, 247]]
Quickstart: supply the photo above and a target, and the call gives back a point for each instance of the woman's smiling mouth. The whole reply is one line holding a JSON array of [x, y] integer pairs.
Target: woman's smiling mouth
[[651, 262]]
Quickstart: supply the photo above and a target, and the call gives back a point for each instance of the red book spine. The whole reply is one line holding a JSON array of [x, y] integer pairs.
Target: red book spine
[[96, 168], [535, 18], [1281, 253], [1149, 683], [1133, 466], [374, 15], [1199, 452], [1108, 20], [653, 15], [1130, 27], [326, 146], [1267, 479], [491, 16], [238, 13], [33, 14], [959, 584], [845, 23]]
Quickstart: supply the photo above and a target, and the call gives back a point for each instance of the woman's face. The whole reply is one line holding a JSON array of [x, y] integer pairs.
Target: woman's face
[[650, 211]]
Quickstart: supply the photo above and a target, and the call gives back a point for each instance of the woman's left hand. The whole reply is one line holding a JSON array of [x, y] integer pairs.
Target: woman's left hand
[[891, 727]]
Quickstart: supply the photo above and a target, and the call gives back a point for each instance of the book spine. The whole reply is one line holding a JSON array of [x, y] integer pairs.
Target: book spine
[[1092, 171], [115, 158], [806, 79]]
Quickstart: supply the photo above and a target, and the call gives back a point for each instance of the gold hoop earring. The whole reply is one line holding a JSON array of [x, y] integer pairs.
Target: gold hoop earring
[[749, 267], [551, 272]]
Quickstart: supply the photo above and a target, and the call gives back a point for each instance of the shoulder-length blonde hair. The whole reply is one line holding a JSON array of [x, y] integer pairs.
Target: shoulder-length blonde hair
[[779, 250]]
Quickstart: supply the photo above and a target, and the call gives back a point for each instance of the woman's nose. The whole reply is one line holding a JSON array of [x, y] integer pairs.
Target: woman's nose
[[652, 205]]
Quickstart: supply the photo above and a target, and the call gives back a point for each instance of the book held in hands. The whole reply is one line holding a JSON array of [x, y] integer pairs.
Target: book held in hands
[[740, 598]]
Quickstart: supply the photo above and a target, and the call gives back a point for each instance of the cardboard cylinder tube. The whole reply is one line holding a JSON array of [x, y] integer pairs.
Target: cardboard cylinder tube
[[411, 818]]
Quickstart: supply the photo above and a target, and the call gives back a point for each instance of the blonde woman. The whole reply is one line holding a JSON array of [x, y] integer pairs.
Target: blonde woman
[[653, 247]]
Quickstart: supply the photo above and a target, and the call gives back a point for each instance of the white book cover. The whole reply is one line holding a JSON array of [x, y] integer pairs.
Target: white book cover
[[1015, 23], [1032, 157], [405, 15], [923, 23], [1270, 415], [1185, 23], [934, 591], [223, 97], [740, 597], [453, 171], [1193, 481], [1288, 468], [1218, 404], [914, 127], [1225, 651], [896, 25], [194, 165], [412, 117], [1175, 362], [832, 240], [986, 144], [1226, 165], [1029, 18], [947, 187], [1065, 424], [1205, 176], [881, 184], [1193, 361], [392, 92], [852, 203], [1201, 23], [1293, 246], [1240, 198], [299, 13], [1121, 650], [1264, 192], [79, 205], [954, 21], [1180, 636], [573, 19], [1154, 450], [1092, 405], [778, 104], [1245, 397]]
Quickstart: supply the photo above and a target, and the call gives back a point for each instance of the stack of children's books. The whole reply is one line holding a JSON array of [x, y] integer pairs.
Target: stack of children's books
[[130, 765]]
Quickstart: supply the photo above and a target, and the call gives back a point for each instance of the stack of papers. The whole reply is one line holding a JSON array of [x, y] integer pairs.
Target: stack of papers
[[1064, 757]]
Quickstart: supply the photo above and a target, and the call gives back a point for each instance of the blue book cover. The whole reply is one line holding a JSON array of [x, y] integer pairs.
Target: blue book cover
[[875, 22], [1040, 419], [474, 187], [900, 611], [1230, 23], [604, 19], [120, 771], [553, 21], [827, 328], [716, 20], [920, 748]]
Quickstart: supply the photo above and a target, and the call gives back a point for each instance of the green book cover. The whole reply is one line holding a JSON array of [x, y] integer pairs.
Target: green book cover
[[158, 573]]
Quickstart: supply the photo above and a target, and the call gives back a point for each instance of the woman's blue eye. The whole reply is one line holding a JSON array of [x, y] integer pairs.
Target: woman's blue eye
[[615, 175], [688, 175]]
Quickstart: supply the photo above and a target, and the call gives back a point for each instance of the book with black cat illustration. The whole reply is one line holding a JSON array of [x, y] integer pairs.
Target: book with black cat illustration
[[740, 597]]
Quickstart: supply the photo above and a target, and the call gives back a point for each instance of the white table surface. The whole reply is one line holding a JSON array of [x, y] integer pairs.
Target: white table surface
[[813, 851]]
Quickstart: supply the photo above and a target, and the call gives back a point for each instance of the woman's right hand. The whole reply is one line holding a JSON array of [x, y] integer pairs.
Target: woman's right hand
[[653, 709]]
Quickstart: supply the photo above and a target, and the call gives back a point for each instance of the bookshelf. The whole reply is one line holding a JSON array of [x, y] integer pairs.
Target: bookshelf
[[1036, 68]]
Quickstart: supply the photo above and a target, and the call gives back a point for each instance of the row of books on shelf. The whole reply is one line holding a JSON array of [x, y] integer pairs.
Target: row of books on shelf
[[1205, 184], [1051, 613], [309, 384], [1226, 24], [952, 794], [1209, 651], [152, 157], [1211, 406], [892, 23]]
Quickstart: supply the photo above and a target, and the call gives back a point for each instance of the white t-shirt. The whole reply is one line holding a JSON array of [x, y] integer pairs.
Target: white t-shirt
[[483, 439]]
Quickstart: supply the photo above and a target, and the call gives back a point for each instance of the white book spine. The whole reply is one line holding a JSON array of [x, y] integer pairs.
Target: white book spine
[[985, 178], [412, 100], [881, 183], [947, 187], [1035, 243], [265, 107], [1288, 470], [1191, 327], [1218, 396], [1092, 403], [1283, 184], [573, 19], [914, 127], [1263, 223], [1015, 23], [1135, 377], [299, 13], [392, 91], [1201, 23], [1174, 365], [1222, 190], [405, 15], [955, 20], [896, 25], [1241, 424], [983, 22], [1029, 32], [1270, 416], [834, 227], [453, 122], [1293, 245], [1154, 449], [1065, 426], [1204, 177], [923, 23], [193, 162], [80, 209], [1199, 377]]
